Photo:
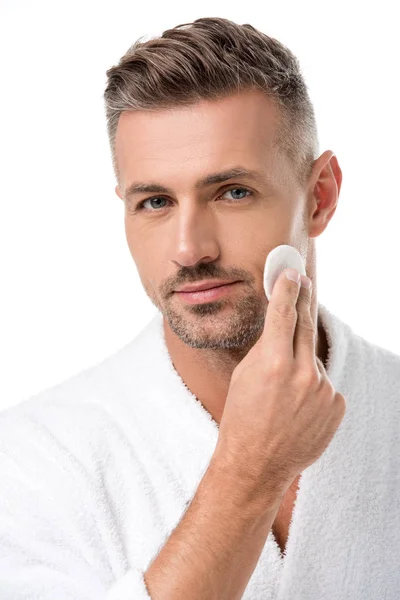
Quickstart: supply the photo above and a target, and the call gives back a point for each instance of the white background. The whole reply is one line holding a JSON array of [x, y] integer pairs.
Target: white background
[[70, 292]]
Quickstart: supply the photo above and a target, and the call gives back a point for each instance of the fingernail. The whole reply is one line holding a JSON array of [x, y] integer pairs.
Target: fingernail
[[293, 275], [306, 282]]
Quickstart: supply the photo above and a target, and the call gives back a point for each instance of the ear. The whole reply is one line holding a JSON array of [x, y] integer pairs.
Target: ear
[[323, 195], [118, 192]]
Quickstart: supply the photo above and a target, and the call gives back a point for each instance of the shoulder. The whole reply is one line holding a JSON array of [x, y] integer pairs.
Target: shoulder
[[74, 422], [382, 364]]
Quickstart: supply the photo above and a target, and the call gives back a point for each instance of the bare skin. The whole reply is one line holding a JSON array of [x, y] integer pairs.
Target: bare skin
[[280, 415], [189, 234], [281, 524]]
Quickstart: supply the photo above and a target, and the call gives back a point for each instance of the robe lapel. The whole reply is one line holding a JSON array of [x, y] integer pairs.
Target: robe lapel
[[189, 436]]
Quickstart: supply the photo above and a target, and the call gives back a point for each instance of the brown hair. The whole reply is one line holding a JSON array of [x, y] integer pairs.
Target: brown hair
[[210, 59]]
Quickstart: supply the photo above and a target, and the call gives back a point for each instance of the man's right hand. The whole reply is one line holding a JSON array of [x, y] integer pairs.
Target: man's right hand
[[281, 411]]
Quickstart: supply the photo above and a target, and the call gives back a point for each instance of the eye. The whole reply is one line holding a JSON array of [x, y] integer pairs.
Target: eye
[[140, 206]]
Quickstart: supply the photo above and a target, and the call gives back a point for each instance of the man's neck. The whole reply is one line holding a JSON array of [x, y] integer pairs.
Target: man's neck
[[207, 381]]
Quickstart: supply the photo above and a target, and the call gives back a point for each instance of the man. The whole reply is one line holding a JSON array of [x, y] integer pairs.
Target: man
[[236, 448]]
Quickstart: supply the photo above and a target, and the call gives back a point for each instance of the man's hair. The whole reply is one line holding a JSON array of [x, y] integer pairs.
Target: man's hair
[[210, 59]]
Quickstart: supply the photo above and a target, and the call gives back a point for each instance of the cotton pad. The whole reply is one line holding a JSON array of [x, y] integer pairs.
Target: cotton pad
[[280, 258]]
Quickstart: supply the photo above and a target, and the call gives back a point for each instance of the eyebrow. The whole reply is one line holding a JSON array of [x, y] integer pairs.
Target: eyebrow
[[140, 188]]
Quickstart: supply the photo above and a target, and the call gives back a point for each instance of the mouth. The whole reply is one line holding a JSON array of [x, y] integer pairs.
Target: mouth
[[208, 295]]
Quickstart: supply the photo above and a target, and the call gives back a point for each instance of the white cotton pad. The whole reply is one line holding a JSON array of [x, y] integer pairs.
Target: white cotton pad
[[280, 258]]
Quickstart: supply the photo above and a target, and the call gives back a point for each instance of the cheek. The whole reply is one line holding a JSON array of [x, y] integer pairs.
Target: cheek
[[259, 238], [139, 241]]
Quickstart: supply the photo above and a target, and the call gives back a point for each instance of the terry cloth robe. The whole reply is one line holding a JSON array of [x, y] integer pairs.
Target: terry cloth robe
[[97, 471]]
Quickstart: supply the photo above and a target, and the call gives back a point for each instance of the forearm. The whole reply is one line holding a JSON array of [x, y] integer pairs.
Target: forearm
[[214, 549]]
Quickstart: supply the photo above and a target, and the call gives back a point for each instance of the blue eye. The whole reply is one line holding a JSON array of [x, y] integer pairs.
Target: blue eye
[[140, 206]]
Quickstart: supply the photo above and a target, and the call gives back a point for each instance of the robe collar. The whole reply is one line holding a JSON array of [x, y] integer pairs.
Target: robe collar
[[186, 434]]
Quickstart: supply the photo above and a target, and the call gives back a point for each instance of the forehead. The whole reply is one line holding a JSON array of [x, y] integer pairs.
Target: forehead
[[238, 129]]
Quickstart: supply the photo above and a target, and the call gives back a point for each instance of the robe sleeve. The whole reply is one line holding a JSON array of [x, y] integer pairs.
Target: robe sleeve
[[38, 561], [53, 544], [131, 585]]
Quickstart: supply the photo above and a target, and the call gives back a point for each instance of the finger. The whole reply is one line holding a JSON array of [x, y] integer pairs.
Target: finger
[[280, 320], [320, 365], [304, 336], [321, 368]]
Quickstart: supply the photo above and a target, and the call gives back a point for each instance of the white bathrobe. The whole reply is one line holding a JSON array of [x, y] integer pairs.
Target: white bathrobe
[[96, 472]]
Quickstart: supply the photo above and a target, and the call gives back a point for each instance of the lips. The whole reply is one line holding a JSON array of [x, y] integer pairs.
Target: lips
[[208, 295], [204, 286]]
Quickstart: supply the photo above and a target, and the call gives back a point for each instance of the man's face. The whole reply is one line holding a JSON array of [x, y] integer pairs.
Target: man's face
[[220, 231]]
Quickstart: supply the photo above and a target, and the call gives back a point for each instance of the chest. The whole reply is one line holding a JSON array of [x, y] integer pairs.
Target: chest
[[281, 525]]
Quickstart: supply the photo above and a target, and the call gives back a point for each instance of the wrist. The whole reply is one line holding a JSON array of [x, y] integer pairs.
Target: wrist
[[246, 492]]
